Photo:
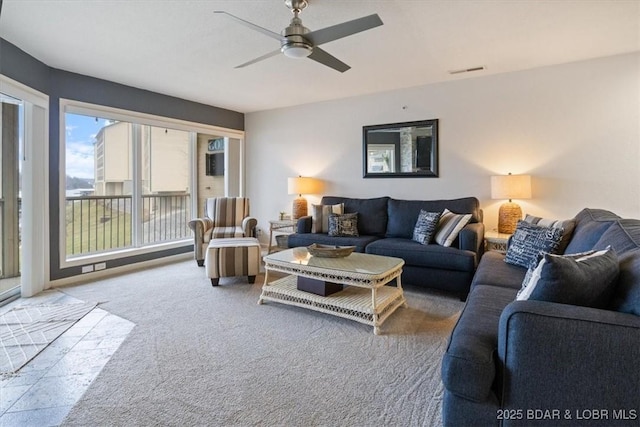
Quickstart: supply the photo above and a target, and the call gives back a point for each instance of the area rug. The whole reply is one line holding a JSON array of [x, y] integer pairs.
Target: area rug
[[27, 330], [203, 355]]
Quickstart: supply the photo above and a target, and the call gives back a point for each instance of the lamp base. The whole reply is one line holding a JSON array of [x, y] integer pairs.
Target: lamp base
[[299, 208], [508, 217]]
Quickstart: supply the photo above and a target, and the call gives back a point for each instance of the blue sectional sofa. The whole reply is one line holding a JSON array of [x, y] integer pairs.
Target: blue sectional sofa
[[534, 363], [385, 227]]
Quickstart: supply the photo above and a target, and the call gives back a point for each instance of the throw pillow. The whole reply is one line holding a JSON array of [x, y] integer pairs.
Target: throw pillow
[[449, 226], [533, 273], [586, 281], [567, 225], [425, 226], [529, 240], [320, 216], [343, 225]]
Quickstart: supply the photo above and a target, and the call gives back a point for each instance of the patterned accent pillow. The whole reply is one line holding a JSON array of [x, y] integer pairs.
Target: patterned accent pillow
[[568, 225], [449, 226], [343, 225], [425, 226], [529, 240], [320, 216], [586, 281]]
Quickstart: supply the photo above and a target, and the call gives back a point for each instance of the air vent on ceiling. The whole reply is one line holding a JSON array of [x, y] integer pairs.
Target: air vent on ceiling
[[467, 70]]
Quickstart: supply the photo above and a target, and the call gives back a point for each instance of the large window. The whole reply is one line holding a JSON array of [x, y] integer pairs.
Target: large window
[[129, 182]]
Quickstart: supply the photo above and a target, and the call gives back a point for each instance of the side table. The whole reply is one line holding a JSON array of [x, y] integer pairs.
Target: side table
[[282, 226], [495, 241]]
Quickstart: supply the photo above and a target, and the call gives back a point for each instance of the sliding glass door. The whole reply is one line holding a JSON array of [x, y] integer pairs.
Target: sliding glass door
[[11, 143]]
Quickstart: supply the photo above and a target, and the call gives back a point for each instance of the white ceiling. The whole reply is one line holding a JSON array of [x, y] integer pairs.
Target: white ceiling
[[180, 48]]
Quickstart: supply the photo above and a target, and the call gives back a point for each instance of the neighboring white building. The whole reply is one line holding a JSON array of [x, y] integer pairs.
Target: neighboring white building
[[164, 155]]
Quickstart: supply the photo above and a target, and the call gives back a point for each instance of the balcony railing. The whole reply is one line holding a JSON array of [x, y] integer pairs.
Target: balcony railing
[[102, 223]]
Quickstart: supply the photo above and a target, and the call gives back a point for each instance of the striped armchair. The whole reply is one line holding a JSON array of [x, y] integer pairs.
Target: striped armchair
[[224, 217]]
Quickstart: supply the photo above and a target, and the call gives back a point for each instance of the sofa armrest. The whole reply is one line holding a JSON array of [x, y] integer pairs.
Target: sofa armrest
[[471, 238], [569, 358], [304, 224], [249, 225]]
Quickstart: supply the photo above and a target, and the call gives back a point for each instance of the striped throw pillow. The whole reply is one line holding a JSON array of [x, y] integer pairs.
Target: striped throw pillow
[[449, 226], [320, 216]]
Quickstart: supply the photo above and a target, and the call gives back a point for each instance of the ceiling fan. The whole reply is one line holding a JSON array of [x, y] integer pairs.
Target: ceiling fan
[[296, 41]]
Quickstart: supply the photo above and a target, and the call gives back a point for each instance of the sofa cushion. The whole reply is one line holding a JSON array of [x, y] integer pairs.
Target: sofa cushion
[[590, 225], [492, 270], [372, 213], [305, 239], [469, 363], [529, 240], [449, 226], [586, 280], [622, 235], [345, 225], [425, 227], [320, 216], [626, 296], [567, 225], [416, 254], [402, 214]]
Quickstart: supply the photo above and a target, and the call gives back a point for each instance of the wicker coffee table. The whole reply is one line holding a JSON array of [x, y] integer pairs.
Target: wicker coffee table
[[365, 299]]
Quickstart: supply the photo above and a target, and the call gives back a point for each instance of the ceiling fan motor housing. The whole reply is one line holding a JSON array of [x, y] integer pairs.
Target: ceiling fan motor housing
[[294, 44]]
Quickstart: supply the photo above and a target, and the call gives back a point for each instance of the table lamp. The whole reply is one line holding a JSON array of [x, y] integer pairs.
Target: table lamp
[[302, 185], [510, 187]]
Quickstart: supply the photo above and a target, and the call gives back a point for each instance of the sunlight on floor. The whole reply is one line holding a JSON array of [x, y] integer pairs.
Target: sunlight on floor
[[43, 392]]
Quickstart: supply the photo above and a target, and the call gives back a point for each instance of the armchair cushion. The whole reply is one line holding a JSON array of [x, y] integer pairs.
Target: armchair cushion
[[227, 232], [227, 211]]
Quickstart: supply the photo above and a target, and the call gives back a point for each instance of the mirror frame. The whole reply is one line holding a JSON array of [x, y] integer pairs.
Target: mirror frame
[[393, 150]]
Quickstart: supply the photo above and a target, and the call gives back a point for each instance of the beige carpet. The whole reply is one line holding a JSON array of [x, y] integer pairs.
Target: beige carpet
[[26, 331], [203, 355]]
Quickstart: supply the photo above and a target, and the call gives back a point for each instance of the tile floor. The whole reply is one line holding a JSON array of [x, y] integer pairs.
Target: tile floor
[[43, 392]]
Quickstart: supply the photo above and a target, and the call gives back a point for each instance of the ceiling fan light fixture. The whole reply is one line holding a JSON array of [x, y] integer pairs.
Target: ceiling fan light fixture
[[296, 50]]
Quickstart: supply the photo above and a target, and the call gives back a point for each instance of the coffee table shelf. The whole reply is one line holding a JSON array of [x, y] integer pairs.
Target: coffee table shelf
[[351, 303]]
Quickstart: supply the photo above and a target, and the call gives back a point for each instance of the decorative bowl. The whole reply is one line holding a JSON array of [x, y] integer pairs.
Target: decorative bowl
[[330, 251]]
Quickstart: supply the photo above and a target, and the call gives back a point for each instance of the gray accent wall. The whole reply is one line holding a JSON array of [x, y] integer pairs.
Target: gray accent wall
[[20, 66]]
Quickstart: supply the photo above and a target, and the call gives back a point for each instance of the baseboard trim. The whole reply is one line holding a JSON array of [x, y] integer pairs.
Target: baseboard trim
[[89, 277]]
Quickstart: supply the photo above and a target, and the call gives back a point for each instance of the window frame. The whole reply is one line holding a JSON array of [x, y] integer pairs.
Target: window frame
[[35, 185], [136, 118]]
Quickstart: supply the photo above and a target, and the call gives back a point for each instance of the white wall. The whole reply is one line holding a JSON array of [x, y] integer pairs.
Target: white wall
[[574, 127]]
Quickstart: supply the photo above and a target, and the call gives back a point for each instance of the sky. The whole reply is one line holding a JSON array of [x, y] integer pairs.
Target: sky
[[80, 137]]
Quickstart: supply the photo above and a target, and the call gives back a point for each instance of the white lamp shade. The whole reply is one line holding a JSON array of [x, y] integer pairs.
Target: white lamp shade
[[304, 185], [511, 187]]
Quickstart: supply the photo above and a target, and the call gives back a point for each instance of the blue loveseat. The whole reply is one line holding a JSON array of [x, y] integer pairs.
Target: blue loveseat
[[531, 363], [385, 227]]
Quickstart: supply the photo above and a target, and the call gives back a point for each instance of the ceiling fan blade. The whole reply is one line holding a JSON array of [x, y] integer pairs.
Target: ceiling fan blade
[[345, 29], [260, 58], [252, 26], [325, 58]]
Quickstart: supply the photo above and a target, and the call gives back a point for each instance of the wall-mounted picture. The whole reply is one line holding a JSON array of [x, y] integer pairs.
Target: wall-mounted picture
[[215, 164], [401, 150]]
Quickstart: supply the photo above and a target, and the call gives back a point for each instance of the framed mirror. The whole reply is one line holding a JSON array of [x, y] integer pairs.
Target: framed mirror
[[401, 150]]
